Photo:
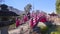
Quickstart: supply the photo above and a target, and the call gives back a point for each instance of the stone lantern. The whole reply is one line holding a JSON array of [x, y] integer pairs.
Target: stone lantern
[[53, 18], [6, 18]]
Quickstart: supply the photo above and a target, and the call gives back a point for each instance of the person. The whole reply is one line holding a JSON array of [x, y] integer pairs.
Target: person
[[17, 22], [25, 18]]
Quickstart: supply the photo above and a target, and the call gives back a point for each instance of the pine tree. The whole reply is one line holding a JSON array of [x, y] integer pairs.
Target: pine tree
[[58, 6]]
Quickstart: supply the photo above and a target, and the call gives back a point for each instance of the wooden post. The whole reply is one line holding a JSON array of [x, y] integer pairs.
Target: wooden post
[[4, 30], [0, 31]]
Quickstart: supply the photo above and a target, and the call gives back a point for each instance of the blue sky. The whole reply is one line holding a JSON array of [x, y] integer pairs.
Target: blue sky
[[45, 5]]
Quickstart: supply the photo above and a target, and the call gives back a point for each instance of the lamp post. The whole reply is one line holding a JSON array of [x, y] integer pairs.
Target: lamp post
[[6, 19]]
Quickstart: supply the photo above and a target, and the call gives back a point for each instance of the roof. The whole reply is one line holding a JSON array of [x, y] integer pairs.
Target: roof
[[5, 12], [8, 13]]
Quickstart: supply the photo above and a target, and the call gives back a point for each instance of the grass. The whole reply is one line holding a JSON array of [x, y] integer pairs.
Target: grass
[[12, 26], [57, 30]]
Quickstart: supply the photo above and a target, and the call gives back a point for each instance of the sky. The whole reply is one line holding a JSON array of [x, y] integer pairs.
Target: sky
[[44, 5]]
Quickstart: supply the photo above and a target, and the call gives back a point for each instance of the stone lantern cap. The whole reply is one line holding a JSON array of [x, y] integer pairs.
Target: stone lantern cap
[[53, 14]]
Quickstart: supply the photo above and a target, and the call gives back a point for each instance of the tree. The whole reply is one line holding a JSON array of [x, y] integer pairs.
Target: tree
[[58, 6], [27, 9]]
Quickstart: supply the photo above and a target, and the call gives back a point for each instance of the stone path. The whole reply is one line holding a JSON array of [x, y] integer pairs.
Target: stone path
[[15, 31], [21, 29], [25, 29]]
